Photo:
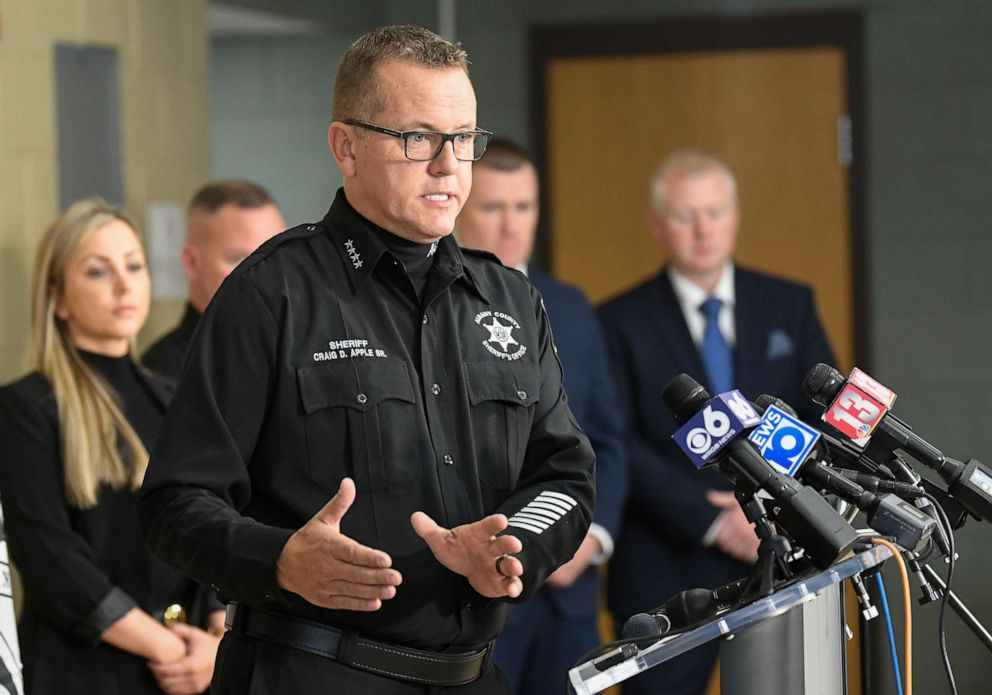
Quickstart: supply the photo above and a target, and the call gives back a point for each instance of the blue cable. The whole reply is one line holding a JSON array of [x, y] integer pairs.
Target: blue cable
[[888, 626]]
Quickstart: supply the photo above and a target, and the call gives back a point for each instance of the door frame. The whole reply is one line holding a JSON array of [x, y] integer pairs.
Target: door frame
[[842, 30]]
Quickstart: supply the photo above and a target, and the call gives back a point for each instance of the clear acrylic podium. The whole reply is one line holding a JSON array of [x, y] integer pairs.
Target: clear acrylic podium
[[753, 634]]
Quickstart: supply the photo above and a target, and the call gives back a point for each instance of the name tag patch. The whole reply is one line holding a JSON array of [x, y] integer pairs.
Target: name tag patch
[[347, 349]]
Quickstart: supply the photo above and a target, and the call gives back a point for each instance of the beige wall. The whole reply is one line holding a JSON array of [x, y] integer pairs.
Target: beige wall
[[162, 54]]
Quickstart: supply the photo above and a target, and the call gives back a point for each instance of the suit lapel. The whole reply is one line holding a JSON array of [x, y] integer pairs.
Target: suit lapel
[[751, 333], [674, 331]]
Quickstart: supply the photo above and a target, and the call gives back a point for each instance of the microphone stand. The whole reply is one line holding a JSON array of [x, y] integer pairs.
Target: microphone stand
[[917, 562], [967, 617], [773, 548], [780, 640]]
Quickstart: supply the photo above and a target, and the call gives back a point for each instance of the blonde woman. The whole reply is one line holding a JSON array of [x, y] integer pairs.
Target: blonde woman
[[74, 436]]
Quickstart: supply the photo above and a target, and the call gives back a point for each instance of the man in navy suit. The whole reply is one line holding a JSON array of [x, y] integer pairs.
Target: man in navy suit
[[727, 327], [547, 634]]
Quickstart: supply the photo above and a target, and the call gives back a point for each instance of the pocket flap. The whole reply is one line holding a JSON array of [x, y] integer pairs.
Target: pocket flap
[[354, 384], [495, 381]]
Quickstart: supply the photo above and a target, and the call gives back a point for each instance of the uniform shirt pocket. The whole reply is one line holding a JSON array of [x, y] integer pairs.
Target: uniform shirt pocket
[[348, 406], [501, 397]]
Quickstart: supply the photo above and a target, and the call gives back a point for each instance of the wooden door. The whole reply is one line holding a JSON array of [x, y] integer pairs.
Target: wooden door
[[772, 114]]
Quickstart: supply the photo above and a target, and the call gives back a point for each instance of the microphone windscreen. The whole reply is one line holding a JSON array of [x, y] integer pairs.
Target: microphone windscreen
[[641, 625], [823, 383], [764, 402], [684, 396]]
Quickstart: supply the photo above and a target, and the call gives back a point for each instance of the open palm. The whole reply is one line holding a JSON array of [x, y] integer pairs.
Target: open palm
[[471, 550]]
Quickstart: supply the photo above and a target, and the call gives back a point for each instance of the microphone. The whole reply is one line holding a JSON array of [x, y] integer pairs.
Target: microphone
[[862, 417], [782, 435], [848, 454], [888, 513], [684, 609], [803, 513], [837, 450], [858, 415], [876, 484], [646, 625]]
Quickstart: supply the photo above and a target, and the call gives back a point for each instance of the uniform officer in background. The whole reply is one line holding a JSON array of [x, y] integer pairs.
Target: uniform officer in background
[[545, 636], [727, 327], [370, 453], [226, 221]]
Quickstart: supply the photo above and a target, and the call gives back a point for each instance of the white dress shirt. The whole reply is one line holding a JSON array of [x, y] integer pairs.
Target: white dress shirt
[[691, 296]]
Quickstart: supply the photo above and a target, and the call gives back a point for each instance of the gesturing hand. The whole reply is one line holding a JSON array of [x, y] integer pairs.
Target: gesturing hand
[[329, 569], [471, 550]]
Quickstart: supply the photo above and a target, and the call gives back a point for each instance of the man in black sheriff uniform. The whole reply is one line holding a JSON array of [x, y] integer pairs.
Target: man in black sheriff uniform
[[367, 361]]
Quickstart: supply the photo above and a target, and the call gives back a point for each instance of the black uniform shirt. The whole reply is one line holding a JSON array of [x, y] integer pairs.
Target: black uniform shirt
[[316, 361], [166, 356]]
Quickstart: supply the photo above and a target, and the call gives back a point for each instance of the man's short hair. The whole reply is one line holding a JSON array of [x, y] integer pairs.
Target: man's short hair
[[243, 194], [683, 163], [503, 154], [357, 93]]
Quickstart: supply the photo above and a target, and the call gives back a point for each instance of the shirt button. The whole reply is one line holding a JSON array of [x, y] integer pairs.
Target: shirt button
[[425, 320], [215, 587], [362, 398], [522, 395], [435, 389], [448, 459]]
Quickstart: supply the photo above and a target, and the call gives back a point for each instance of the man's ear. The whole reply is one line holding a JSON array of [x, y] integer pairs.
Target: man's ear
[[340, 142], [652, 220], [189, 259]]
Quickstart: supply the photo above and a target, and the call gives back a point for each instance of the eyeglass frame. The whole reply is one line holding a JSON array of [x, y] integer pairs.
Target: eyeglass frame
[[405, 135]]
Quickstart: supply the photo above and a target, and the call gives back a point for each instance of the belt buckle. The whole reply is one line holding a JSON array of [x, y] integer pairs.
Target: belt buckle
[[230, 615]]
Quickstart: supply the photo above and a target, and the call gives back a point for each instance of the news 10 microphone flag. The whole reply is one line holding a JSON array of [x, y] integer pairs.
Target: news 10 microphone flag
[[782, 440], [11, 680]]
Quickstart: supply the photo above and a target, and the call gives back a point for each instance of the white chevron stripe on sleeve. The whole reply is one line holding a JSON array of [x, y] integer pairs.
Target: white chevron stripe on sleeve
[[552, 508], [558, 496], [522, 524], [544, 510], [533, 518], [546, 513]]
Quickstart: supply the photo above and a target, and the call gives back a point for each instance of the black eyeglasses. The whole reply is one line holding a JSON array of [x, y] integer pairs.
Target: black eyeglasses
[[425, 145]]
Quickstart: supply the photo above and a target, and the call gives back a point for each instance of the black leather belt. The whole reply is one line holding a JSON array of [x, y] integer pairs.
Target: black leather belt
[[358, 652]]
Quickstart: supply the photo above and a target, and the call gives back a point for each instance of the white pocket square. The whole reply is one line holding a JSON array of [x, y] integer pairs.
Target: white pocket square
[[779, 345]]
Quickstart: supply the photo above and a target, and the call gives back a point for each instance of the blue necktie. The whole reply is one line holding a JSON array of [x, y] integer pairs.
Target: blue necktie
[[717, 356]]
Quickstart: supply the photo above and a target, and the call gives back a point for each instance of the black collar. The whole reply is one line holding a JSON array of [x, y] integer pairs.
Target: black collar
[[117, 370], [361, 250]]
